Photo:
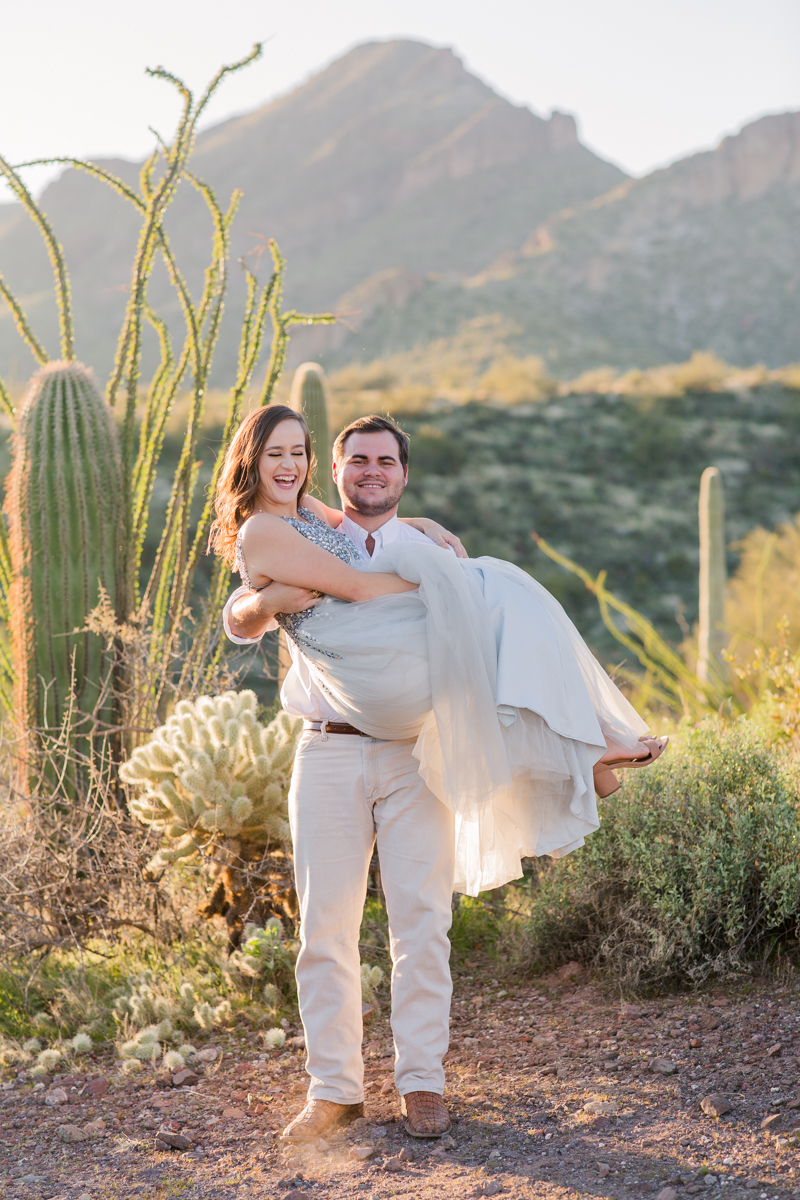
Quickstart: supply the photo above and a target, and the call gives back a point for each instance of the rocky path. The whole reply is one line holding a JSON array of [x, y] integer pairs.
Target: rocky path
[[556, 1091]]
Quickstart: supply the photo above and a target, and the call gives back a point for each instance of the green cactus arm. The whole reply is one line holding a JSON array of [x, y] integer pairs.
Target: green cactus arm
[[21, 321], [54, 253]]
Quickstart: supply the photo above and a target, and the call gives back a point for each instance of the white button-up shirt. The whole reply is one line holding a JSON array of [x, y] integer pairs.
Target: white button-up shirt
[[301, 696]]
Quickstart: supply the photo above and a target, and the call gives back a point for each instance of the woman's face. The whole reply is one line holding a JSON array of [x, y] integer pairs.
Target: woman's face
[[283, 464]]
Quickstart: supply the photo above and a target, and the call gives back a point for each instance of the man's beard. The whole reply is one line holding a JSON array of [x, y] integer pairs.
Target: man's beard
[[374, 504]]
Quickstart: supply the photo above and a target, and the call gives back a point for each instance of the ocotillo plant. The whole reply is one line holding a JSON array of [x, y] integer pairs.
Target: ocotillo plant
[[65, 517], [159, 602], [309, 396], [711, 669]]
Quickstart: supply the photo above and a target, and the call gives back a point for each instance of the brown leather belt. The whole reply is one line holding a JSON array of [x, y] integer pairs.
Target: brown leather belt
[[333, 727]]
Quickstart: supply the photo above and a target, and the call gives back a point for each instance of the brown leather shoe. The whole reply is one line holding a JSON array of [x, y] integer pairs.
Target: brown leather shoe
[[426, 1114], [320, 1117]]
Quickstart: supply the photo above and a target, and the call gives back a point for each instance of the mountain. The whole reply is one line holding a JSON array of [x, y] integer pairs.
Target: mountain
[[394, 163], [704, 254]]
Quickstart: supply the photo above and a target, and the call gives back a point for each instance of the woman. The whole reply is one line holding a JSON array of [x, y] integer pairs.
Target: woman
[[515, 722]]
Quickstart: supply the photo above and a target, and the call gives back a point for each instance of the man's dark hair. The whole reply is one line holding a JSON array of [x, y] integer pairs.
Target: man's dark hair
[[374, 424]]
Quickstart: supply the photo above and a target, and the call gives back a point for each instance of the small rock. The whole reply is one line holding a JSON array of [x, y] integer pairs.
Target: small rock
[[174, 1141], [185, 1078], [693, 1189], [752, 1185], [367, 1011], [361, 1153], [238, 1096], [322, 1145], [695, 1043], [709, 1180], [98, 1087], [571, 970], [387, 1086], [663, 1066], [393, 1164], [406, 1155], [94, 1127], [603, 1169], [667, 1193], [235, 1114], [296, 1043], [720, 1002], [793, 1104], [210, 1054], [631, 1011], [56, 1096], [774, 1051], [494, 1188], [601, 1108], [708, 1022], [296, 1194], [771, 1120], [781, 1143], [360, 1125], [630, 1181], [599, 1123], [715, 1105], [71, 1133]]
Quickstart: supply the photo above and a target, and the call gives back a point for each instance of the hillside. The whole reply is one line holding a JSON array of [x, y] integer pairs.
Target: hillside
[[393, 159], [611, 481], [704, 254]]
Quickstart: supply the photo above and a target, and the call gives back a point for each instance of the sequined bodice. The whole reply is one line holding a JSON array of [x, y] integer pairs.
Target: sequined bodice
[[321, 535]]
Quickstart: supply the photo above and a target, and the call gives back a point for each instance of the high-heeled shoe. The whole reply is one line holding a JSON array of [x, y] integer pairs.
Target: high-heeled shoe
[[606, 782]]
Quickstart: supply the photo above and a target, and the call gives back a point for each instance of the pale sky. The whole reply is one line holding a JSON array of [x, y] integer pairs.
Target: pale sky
[[648, 81]]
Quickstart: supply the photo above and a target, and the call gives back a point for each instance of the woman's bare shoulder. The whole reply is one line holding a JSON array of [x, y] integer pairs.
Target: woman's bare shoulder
[[265, 527]]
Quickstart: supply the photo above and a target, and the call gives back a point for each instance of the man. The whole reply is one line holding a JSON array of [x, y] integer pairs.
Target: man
[[347, 790]]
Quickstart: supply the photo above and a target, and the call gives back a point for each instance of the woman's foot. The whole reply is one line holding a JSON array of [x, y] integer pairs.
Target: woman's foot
[[643, 754]]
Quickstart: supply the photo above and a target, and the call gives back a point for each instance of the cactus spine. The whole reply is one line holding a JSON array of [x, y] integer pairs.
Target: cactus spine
[[309, 396], [711, 667], [64, 507]]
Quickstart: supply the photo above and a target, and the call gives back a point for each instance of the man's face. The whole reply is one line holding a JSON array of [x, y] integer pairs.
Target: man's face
[[369, 477]]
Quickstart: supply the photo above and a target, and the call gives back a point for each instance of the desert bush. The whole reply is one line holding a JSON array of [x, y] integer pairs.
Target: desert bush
[[692, 874]]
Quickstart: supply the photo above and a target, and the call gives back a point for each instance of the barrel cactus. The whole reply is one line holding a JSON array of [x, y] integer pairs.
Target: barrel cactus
[[711, 668], [64, 508], [212, 774], [309, 396]]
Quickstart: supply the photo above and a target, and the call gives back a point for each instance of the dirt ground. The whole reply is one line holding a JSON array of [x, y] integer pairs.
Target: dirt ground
[[556, 1090]]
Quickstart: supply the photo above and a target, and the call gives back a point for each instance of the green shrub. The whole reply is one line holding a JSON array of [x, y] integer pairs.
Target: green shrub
[[694, 873]]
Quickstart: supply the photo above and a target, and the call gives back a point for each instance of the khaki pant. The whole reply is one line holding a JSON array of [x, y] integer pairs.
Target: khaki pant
[[346, 791]]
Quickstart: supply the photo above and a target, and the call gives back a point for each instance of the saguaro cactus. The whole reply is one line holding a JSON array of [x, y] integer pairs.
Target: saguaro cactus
[[309, 396], [64, 507], [711, 667]]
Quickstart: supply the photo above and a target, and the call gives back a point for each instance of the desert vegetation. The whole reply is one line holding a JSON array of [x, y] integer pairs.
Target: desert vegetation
[[148, 904]]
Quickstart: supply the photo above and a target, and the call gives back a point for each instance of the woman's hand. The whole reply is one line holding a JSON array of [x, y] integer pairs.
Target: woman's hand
[[437, 533]]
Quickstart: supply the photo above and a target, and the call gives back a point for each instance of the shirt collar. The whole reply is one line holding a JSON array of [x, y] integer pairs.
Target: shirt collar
[[383, 536]]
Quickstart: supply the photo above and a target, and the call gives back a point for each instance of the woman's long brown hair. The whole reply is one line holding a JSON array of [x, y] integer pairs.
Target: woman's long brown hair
[[239, 479]]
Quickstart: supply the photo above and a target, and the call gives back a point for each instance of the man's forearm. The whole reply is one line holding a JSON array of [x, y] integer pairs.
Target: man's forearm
[[252, 615]]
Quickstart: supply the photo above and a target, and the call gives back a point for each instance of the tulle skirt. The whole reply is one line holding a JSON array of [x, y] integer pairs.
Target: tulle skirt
[[508, 707]]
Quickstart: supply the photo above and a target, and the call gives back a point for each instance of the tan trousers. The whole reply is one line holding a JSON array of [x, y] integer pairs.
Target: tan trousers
[[346, 791]]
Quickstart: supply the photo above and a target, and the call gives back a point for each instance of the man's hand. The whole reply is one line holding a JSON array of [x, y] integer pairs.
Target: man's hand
[[437, 533], [253, 614]]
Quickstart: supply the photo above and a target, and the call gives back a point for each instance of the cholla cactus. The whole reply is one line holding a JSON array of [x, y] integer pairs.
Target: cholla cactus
[[81, 1043], [213, 772], [48, 1060], [371, 977], [262, 951], [275, 1038]]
